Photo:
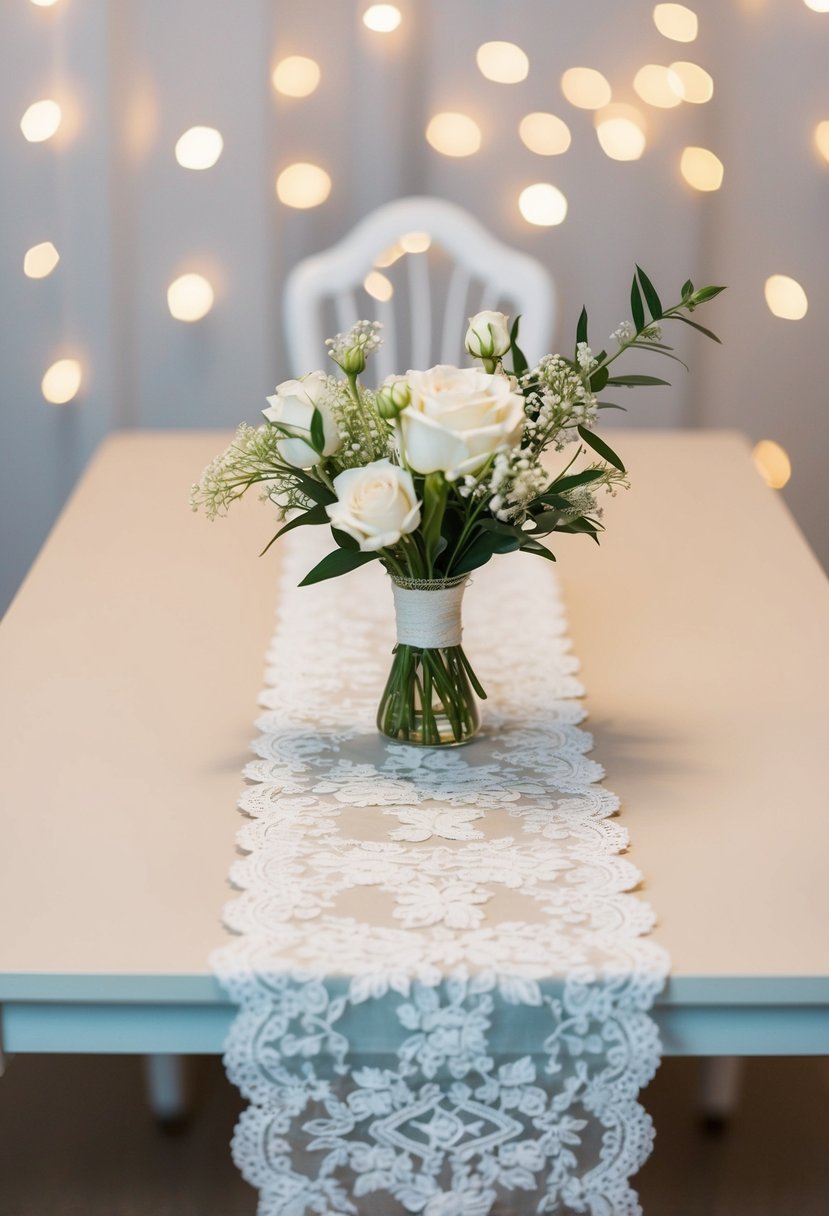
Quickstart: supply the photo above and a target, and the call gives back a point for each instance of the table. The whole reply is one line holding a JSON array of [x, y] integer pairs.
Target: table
[[132, 658]]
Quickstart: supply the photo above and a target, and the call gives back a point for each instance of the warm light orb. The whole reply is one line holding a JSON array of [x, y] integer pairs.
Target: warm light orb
[[61, 381], [382, 18], [41, 121], [676, 21], [542, 204], [44, 3], [296, 76], [378, 286], [817, 6], [772, 463], [40, 260], [586, 88], [658, 86], [190, 297], [389, 256], [503, 62], [822, 138], [786, 298], [199, 148], [621, 132], [691, 82], [701, 168], [415, 242], [303, 185], [544, 134], [454, 134]]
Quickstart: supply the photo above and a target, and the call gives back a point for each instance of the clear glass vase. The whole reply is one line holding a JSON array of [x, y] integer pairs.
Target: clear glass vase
[[430, 695]]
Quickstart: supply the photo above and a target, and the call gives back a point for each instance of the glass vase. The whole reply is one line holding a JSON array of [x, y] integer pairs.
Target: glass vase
[[430, 695]]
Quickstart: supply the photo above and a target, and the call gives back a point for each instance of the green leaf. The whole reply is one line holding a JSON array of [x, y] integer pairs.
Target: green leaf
[[573, 480], [345, 540], [317, 432], [581, 329], [519, 361], [435, 494], [599, 445], [533, 546], [659, 350], [315, 515], [315, 490], [599, 379], [695, 325], [496, 538], [609, 405], [547, 521], [706, 293], [687, 289], [341, 561], [555, 500], [631, 381], [653, 300], [637, 308]]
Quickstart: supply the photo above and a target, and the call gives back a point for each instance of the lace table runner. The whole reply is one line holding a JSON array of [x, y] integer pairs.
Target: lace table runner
[[443, 979]]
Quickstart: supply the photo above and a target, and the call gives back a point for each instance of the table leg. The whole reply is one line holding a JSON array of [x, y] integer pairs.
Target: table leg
[[165, 1080], [718, 1089]]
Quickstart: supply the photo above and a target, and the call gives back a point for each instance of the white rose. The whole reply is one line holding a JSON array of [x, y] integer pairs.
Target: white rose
[[292, 407], [376, 504], [488, 335], [458, 417]]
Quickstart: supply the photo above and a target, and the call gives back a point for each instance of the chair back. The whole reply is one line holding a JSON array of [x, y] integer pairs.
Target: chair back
[[422, 266]]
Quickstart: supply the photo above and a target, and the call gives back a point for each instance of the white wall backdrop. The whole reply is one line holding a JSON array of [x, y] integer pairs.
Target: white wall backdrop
[[133, 75]]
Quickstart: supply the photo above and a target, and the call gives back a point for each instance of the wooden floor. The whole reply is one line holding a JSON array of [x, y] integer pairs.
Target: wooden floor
[[76, 1140]]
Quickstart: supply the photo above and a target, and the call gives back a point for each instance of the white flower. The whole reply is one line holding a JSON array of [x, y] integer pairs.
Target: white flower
[[292, 409], [458, 417], [376, 504], [488, 335]]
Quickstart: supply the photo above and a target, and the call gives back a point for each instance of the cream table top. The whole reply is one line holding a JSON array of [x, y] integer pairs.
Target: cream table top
[[132, 658]]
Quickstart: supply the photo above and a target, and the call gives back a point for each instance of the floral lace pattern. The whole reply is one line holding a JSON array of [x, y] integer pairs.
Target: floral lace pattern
[[443, 975]]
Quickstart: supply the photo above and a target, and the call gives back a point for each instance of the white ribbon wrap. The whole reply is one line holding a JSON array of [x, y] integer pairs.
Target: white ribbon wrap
[[428, 619]]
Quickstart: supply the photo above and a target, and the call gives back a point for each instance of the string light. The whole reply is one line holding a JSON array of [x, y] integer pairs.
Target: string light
[[544, 134], [61, 381], [378, 286], [586, 88], [296, 76], [40, 260], [190, 297], [41, 120], [382, 18], [303, 185], [822, 138], [415, 242], [772, 463], [676, 21], [621, 132], [199, 148], [692, 82], [454, 134], [503, 62], [658, 86], [701, 168], [542, 204], [785, 297]]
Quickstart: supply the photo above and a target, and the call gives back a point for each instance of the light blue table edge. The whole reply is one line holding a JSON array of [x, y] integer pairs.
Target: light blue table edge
[[190, 1015]]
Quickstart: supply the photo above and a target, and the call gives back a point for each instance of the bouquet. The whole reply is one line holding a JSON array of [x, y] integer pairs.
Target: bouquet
[[438, 470]]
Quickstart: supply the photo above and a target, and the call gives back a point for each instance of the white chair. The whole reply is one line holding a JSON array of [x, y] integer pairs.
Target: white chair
[[465, 269]]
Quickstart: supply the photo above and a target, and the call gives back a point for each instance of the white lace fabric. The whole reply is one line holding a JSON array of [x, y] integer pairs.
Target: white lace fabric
[[443, 976]]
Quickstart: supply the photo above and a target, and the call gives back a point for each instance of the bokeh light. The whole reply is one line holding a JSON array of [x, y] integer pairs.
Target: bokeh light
[[40, 260], [382, 18], [621, 132], [658, 86], [389, 256], [785, 297], [454, 134], [41, 120], [822, 138], [199, 148], [503, 62], [692, 82], [542, 204], [772, 462], [44, 3], [190, 297], [296, 76], [701, 168], [303, 185], [676, 21], [378, 286], [544, 134], [586, 88], [415, 242], [817, 6], [61, 381]]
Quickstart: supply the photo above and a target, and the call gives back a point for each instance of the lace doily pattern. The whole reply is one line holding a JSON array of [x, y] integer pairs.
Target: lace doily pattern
[[442, 972]]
